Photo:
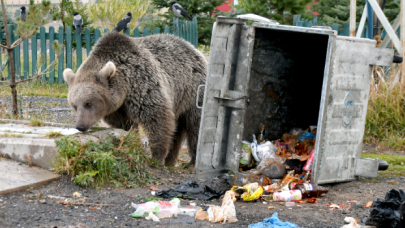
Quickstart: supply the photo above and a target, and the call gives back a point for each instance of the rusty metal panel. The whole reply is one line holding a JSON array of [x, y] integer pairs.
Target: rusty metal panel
[[341, 126]]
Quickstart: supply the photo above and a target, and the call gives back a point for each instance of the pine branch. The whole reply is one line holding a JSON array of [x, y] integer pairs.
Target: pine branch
[[21, 39]]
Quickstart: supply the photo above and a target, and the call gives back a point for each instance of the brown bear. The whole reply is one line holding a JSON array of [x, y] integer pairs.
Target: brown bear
[[151, 81]]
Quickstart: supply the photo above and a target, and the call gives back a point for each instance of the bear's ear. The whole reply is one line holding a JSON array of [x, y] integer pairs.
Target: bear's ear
[[69, 76], [107, 71]]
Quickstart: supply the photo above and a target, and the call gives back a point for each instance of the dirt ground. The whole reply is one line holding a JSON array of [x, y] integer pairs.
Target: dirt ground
[[27, 209]]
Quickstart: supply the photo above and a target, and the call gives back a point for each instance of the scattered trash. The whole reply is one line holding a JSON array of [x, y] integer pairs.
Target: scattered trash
[[152, 217], [388, 212], [246, 154], [201, 215], [369, 204], [270, 207], [353, 223], [191, 190], [287, 196], [274, 170], [250, 192], [351, 201], [310, 190], [306, 136], [334, 206], [162, 209], [273, 222], [42, 201], [189, 211], [311, 200], [225, 213], [153, 188], [242, 180], [77, 194], [289, 204], [392, 182]]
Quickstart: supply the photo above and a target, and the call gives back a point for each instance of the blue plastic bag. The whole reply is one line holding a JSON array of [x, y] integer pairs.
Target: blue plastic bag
[[306, 136], [273, 222]]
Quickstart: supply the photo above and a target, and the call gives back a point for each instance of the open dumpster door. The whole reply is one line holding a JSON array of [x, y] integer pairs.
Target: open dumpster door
[[225, 98], [343, 111]]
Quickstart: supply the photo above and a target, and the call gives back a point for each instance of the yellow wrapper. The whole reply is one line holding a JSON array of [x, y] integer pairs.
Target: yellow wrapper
[[251, 191]]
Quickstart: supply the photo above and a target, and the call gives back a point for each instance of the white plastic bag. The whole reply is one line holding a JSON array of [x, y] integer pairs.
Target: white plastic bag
[[262, 151]]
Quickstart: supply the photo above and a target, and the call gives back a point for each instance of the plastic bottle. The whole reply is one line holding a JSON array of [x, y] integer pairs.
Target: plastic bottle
[[310, 190], [260, 138], [241, 180], [287, 196]]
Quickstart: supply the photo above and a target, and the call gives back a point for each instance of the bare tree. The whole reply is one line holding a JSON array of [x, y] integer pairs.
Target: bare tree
[[25, 30]]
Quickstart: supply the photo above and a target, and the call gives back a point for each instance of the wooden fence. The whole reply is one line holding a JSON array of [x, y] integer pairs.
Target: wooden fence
[[184, 29], [345, 31]]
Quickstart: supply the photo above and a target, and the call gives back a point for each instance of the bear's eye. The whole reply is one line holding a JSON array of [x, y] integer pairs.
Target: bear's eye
[[74, 106], [87, 105]]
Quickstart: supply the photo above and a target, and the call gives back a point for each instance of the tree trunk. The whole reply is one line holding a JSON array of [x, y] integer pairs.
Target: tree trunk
[[11, 61]]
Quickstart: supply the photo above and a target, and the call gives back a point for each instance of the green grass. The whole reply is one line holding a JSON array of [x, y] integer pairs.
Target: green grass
[[121, 163], [396, 164]]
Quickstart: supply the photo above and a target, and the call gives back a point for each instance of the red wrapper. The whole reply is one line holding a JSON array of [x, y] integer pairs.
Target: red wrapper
[[310, 160]]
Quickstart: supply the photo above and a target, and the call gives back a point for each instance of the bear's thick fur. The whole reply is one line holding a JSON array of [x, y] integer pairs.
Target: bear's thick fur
[[151, 81]]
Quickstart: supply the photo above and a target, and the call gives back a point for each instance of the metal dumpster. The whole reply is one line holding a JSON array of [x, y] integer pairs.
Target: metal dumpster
[[286, 77]]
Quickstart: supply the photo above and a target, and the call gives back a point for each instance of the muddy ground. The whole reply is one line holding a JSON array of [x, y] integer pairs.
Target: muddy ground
[[27, 209], [34, 208]]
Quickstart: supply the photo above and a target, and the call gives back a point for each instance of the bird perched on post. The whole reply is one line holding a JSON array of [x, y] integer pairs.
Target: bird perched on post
[[124, 22], [77, 22], [179, 11], [23, 16]]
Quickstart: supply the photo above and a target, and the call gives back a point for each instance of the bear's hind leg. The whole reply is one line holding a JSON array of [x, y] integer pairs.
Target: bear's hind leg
[[193, 129], [178, 139], [160, 131]]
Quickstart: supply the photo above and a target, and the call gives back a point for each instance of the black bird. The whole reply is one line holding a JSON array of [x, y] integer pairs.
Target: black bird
[[77, 22], [124, 22], [23, 16], [179, 11]]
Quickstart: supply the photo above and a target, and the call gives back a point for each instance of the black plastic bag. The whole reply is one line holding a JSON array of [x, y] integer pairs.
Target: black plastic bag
[[294, 164], [388, 212], [191, 190]]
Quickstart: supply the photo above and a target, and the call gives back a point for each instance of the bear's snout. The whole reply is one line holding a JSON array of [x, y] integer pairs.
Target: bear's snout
[[81, 127]]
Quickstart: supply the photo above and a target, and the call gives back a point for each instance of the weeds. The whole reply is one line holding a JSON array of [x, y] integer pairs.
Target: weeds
[[53, 134], [120, 162], [7, 135], [35, 88], [36, 122], [385, 122]]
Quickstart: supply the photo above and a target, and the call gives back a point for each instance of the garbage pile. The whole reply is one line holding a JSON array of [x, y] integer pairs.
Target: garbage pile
[[278, 170]]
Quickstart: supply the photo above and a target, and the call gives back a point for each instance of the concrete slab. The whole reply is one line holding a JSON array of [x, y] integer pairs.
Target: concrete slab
[[25, 143], [15, 176]]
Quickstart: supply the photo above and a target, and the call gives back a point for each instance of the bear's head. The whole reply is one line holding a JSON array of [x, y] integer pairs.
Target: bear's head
[[90, 93]]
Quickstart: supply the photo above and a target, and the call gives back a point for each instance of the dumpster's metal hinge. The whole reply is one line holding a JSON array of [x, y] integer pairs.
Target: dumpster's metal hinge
[[234, 99]]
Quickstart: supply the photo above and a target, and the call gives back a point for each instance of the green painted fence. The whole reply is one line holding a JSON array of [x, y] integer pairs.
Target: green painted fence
[[184, 29]]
